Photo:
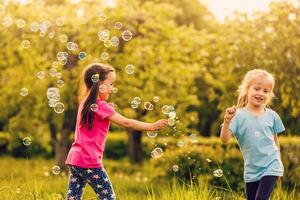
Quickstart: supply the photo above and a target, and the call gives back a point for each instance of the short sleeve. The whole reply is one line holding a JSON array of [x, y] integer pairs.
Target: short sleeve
[[278, 126], [105, 110], [233, 126]]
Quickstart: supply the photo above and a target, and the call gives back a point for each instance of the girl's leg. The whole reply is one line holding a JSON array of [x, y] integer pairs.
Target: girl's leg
[[265, 188], [251, 189], [75, 185], [99, 181]]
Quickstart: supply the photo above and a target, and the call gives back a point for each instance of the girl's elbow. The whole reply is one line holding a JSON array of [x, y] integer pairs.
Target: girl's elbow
[[127, 124]]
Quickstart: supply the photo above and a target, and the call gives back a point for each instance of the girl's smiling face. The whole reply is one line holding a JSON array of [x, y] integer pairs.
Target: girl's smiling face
[[259, 91], [105, 88]]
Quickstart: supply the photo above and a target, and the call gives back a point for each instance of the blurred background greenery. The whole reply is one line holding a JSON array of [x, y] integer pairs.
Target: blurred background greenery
[[165, 52]]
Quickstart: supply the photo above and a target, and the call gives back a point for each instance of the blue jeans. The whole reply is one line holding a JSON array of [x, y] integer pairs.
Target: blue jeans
[[97, 178]]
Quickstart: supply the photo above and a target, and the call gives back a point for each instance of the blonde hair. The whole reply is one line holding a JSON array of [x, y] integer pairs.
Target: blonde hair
[[243, 88]]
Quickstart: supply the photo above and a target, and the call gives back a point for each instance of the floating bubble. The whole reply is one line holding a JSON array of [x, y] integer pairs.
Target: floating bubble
[[166, 109], [42, 34], [129, 69], [60, 83], [175, 168], [138, 100], [53, 72], [102, 88], [134, 104], [41, 75], [115, 90], [59, 108], [7, 21], [117, 25], [34, 27], [55, 64], [51, 35], [95, 78], [157, 153], [62, 55], [114, 41], [103, 35], [82, 55], [53, 94], [257, 134], [126, 35], [51, 103], [107, 43], [152, 134], [104, 55], [20, 23], [72, 46], [172, 114], [155, 99], [218, 173], [148, 106], [63, 38], [58, 75], [25, 44], [55, 170], [60, 21], [26, 141], [24, 92], [94, 107], [171, 121]]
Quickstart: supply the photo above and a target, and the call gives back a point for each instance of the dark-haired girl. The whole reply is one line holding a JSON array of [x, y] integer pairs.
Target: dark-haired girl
[[92, 126]]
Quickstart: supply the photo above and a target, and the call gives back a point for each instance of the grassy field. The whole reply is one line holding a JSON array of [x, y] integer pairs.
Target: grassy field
[[33, 179]]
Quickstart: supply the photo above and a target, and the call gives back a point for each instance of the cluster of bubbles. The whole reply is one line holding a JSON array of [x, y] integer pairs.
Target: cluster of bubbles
[[170, 111], [135, 102], [53, 96]]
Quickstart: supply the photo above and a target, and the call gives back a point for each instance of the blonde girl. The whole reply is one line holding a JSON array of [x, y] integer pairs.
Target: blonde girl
[[255, 128]]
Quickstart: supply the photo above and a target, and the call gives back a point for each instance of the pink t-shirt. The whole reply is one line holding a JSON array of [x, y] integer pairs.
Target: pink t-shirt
[[88, 146]]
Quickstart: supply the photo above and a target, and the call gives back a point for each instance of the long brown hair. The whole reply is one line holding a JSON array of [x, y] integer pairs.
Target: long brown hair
[[243, 88], [91, 78]]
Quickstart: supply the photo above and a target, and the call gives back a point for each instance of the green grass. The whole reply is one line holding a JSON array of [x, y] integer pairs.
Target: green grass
[[32, 179]]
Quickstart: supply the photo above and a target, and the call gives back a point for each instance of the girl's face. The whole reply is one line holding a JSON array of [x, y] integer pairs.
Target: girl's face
[[259, 91], [105, 88]]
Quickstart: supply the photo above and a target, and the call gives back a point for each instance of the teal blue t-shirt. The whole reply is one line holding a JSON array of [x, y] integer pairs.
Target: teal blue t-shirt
[[255, 136]]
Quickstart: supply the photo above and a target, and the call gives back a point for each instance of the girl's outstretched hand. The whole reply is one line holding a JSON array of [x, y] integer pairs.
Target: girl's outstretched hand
[[229, 114], [159, 124]]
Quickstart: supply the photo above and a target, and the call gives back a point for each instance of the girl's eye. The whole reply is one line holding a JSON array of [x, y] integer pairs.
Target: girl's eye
[[256, 89]]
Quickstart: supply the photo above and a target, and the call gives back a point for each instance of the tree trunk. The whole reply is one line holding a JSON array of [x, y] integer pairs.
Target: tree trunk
[[63, 143], [135, 146], [62, 148]]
